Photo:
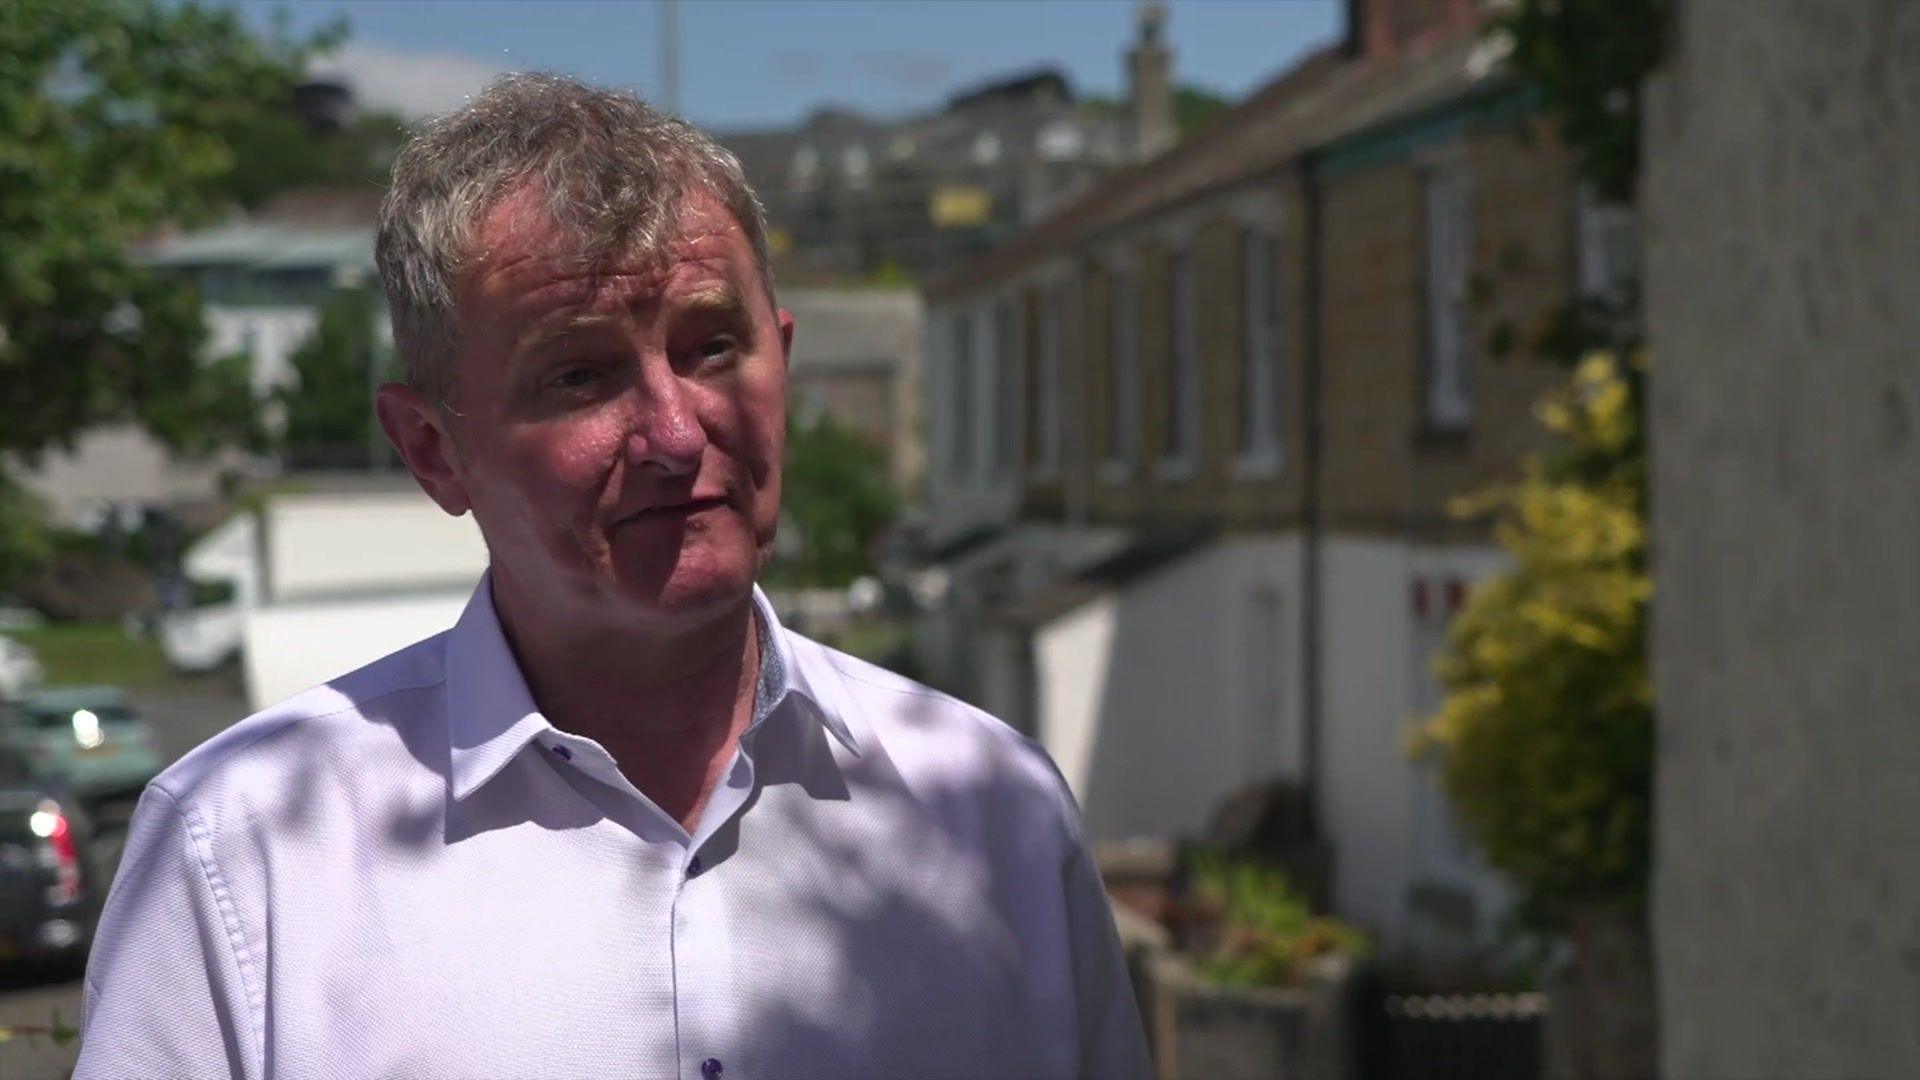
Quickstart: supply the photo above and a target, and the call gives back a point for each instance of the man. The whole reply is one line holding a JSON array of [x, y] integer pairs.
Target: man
[[617, 821]]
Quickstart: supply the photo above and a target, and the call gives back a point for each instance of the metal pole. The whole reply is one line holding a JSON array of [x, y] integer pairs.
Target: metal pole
[[670, 56]]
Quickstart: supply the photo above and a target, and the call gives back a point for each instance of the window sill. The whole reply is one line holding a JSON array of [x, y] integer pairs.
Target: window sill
[[1176, 469], [1264, 464]]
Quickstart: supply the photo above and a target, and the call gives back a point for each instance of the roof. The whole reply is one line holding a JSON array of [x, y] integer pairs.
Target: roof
[[1324, 98], [266, 246], [307, 228], [1015, 88], [325, 207]]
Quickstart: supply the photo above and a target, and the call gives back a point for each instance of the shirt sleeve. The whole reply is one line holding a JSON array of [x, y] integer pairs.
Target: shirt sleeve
[[1112, 1040], [166, 991]]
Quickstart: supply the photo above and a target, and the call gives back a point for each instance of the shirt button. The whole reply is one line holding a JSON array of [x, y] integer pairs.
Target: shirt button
[[710, 1069], [693, 870], [564, 753]]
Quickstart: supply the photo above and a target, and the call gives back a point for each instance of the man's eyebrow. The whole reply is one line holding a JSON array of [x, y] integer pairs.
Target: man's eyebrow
[[554, 330], [717, 299]]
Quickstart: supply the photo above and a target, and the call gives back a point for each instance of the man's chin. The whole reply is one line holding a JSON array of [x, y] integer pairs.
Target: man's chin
[[690, 594]]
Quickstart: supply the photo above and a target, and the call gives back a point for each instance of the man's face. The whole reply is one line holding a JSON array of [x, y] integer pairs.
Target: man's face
[[618, 434]]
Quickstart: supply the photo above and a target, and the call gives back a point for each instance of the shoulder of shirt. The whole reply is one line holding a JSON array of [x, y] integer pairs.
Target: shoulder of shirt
[[929, 731], [333, 709]]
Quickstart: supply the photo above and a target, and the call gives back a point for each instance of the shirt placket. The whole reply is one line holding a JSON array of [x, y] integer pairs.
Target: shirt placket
[[705, 1001]]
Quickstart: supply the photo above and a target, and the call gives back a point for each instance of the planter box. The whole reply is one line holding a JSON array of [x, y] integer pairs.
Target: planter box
[[1200, 1029]]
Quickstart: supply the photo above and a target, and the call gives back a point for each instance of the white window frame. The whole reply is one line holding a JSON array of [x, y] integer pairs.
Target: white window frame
[[1184, 383], [1447, 384], [1607, 247], [1121, 453], [1263, 362]]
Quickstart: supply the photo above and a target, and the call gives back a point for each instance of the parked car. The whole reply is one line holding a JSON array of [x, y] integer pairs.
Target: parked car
[[20, 669], [88, 738], [50, 887]]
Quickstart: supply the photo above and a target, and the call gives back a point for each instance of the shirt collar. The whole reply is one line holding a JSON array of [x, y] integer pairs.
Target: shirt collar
[[491, 714]]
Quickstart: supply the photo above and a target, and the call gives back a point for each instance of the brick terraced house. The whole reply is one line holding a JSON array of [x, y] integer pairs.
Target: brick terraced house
[[1193, 438]]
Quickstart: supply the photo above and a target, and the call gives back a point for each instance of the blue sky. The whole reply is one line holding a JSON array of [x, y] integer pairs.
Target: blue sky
[[750, 63]]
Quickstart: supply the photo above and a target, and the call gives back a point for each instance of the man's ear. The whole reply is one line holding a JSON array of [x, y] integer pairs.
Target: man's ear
[[419, 434], [785, 319]]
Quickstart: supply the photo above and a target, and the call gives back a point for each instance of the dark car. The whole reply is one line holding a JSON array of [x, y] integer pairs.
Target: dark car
[[50, 892]]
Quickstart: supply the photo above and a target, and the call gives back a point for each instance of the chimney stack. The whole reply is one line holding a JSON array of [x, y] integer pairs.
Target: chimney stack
[[1381, 29], [1150, 85]]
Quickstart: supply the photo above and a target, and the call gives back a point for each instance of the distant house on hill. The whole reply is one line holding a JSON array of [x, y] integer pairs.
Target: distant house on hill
[[262, 278], [852, 194]]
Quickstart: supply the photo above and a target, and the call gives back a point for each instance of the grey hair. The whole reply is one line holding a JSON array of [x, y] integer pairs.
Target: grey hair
[[611, 169]]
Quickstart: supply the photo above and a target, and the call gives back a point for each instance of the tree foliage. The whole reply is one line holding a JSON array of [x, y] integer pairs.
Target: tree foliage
[[276, 151], [836, 501], [116, 118], [329, 409], [1588, 59], [1546, 733]]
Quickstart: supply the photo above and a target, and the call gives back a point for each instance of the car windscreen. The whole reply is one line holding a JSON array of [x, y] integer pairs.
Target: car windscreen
[[49, 719]]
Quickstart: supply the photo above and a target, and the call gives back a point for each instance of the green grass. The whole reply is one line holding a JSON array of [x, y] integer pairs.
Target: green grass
[[96, 652]]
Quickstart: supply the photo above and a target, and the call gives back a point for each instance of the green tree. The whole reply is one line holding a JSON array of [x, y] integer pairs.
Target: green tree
[[836, 500], [1547, 726], [115, 120], [329, 409], [275, 151], [1588, 60]]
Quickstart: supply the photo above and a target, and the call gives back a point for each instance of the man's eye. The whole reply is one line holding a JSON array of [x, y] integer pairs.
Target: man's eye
[[574, 378], [716, 348]]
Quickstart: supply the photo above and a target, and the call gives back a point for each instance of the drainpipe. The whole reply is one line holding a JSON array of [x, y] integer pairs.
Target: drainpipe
[[1310, 509]]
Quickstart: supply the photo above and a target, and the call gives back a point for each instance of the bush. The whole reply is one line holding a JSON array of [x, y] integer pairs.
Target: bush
[[1546, 733], [1265, 933]]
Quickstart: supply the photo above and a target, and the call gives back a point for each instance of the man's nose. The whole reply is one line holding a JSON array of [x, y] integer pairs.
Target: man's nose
[[665, 435]]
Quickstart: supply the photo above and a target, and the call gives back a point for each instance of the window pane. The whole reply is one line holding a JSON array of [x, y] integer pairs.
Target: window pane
[[1449, 239], [1262, 406], [1123, 388], [1048, 407], [961, 378], [1185, 391], [1009, 344]]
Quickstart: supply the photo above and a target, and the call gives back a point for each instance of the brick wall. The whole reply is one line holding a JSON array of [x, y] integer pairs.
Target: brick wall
[[1381, 472]]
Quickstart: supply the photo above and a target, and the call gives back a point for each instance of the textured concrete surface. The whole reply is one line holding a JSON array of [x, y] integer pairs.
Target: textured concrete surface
[[1782, 201]]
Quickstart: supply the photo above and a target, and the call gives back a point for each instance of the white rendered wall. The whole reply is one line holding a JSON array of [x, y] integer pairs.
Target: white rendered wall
[[319, 545], [287, 648], [1147, 702], [1390, 827], [1143, 692]]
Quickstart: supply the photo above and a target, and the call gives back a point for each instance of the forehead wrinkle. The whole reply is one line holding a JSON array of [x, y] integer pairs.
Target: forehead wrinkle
[[566, 324]]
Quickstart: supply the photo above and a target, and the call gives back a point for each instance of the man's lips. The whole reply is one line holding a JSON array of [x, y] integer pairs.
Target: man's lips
[[667, 511]]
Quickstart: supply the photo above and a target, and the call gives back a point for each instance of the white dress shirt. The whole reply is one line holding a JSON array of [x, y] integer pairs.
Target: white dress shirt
[[410, 872]]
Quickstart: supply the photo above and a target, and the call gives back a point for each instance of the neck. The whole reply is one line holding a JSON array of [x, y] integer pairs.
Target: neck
[[670, 705]]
